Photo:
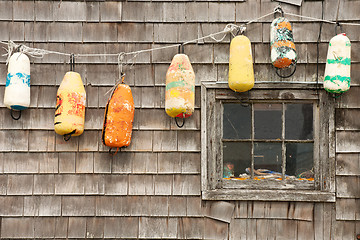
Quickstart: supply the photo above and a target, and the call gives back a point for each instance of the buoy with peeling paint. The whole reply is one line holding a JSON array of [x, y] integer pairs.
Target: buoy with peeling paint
[[180, 87], [118, 118], [283, 51], [70, 106], [241, 72], [337, 69]]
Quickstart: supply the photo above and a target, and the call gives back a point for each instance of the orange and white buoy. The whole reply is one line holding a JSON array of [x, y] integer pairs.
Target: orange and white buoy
[[283, 51]]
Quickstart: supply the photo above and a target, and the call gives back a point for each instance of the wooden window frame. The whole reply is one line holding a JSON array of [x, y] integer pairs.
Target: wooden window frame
[[215, 188]]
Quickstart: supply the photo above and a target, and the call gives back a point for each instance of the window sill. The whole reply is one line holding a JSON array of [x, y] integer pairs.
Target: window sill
[[269, 195]]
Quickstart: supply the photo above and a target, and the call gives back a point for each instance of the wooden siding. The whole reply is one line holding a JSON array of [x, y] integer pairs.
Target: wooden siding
[[152, 190]]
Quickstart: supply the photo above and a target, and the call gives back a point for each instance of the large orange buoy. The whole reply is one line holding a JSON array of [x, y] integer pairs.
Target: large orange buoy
[[70, 106], [283, 51], [241, 72], [337, 69], [180, 87], [118, 118]]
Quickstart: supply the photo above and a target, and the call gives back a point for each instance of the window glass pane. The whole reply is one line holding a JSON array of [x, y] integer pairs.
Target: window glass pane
[[236, 121], [299, 121], [267, 160], [267, 121], [237, 157], [299, 160]]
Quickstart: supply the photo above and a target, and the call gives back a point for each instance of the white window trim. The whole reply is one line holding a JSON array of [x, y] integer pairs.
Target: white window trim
[[211, 172]]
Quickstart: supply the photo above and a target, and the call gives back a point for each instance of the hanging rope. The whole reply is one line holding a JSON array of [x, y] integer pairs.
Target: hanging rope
[[72, 62]]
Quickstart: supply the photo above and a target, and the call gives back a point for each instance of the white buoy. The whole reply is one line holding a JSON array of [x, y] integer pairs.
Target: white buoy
[[337, 69], [17, 89]]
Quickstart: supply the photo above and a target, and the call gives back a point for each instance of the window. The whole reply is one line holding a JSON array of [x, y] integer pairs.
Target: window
[[267, 144]]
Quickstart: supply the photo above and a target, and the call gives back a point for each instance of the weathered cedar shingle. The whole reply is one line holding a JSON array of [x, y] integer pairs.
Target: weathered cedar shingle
[[61, 226], [42, 206], [70, 184], [15, 205], [116, 227], [141, 185], [347, 209], [78, 206], [347, 141], [116, 184], [95, 227], [135, 32], [17, 228], [174, 12], [177, 206], [214, 229], [77, 227], [348, 164], [348, 186], [157, 227], [44, 227], [110, 11], [20, 185], [23, 11], [191, 228], [44, 184]]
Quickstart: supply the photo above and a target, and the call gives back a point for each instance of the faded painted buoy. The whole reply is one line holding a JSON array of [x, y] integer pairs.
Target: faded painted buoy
[[180, 87], [17, 89], [337, 69], [118, 118], [241, 72], [283, 52], [70, 106]]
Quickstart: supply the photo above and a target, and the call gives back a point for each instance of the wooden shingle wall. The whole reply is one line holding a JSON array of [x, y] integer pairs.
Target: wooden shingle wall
[[55, 189]]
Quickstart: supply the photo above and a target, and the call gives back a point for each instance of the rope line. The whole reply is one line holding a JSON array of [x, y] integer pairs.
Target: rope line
[[229, 28]]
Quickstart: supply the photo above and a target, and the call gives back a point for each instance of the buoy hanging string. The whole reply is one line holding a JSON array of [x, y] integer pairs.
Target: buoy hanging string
[[229, 28], [40, 53], [72, 62]]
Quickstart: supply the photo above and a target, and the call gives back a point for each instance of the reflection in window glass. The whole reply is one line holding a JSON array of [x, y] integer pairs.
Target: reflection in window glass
[[237, 157], [267, 120], [299, 121], [236, 121], [267, 158], [299, 160]]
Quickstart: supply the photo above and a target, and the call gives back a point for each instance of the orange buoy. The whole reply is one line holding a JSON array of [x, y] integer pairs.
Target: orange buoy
[[70, 106], [118, 118], [180, 87]]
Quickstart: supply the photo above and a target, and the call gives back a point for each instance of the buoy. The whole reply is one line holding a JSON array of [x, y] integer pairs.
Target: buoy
[[337, 69], [118, 118], [283, 51], [180, 88], [17, 88], [70, 106], [241, 72]]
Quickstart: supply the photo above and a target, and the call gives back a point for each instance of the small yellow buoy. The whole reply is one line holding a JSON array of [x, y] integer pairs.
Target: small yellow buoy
[[241, 72], [70, 106]]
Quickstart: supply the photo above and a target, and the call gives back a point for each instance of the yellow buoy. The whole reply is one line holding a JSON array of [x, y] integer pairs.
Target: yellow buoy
[[70, 106], [180, 87], [241, 72]]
